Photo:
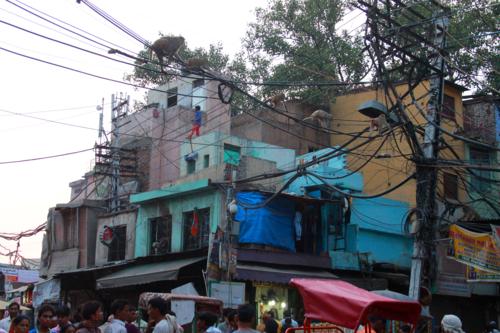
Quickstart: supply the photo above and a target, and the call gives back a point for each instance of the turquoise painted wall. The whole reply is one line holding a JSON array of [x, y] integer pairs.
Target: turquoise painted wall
[[335, 167], [176, 206], [212, 144]]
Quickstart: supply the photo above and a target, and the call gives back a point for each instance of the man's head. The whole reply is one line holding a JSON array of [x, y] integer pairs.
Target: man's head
[[92, 311], [132, 313], [63, 313], [451, 324], [232, 319], [205, 320], [197, 108], [13, 309], [246, 315], [157, 308], [492, 325], [45, 315], [120, 310]]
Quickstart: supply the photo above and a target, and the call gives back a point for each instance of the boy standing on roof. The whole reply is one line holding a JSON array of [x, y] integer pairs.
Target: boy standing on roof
[[198, 116]]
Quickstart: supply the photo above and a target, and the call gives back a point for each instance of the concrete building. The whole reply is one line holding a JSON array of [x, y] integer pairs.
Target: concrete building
[[482, 123]]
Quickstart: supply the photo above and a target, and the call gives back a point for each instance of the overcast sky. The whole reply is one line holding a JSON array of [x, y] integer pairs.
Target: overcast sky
[[40, 90]]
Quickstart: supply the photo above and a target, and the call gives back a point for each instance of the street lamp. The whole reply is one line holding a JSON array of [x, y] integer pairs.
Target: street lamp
[[374, 109]]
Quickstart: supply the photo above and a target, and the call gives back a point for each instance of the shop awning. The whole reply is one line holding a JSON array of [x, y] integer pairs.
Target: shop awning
[[143, 274], [278, 275]]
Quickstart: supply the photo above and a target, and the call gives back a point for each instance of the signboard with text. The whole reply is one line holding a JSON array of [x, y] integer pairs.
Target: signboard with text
[[474, 249]]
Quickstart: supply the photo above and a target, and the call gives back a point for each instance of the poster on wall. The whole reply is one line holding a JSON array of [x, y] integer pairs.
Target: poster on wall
[[231, 293], [474, 249]]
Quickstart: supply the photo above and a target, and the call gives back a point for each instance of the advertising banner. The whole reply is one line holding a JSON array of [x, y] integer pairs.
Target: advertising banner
[[477, 275], [474, 249]]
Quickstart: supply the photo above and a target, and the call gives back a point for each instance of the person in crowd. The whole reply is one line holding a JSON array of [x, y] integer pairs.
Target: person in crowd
[[63, 313], [404, 329], [157, 309], [120, 313], [13, 310], [69, 328], [130, 323], [44, 319], [451, 324], [492, 327], [92, 316], [288, 321], [20, 324], [206, 323], [233, 321], [377, 325], [271, 326], [246, 319], [224, 325], [53, 323], [77, 317]]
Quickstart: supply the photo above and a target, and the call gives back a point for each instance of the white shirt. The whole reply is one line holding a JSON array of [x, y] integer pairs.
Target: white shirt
[[5, 324], [213, 329], [163, 326], [116, 326]]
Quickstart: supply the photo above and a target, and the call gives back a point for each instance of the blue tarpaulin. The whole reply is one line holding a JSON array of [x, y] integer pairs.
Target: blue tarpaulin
[[271, 225]]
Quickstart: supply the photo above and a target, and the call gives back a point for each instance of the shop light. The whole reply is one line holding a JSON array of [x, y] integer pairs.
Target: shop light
[[271, 302], [283, 305]]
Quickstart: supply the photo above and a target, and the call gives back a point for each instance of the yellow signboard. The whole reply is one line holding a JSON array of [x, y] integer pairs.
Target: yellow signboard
[[474, 249], [478, 275]]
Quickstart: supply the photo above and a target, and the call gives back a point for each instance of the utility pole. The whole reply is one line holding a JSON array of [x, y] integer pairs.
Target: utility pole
[[116, 113], [427, 172]]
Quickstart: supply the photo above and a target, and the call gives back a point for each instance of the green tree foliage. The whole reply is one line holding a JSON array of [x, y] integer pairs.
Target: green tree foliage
[[472, 48], [296, 40], [473, 44]]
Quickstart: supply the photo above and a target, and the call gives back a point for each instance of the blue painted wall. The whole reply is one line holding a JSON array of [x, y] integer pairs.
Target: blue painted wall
[[376, 225]]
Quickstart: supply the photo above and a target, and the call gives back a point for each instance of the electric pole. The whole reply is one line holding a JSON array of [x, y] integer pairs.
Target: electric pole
[[117, 106], [427, 173]]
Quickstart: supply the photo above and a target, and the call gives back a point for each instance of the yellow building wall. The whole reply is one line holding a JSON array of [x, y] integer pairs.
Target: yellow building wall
[[382, 173]]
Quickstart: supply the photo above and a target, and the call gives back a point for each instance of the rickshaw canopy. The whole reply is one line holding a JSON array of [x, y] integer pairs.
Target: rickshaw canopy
[[341, 303]]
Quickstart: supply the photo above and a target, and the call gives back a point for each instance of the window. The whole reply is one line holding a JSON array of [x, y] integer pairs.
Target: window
[[198, 83], [480, 178], [191, 166], [116, 250], [448, 110], [196, 236], [206, 161], [231, 154], [160, 235], [171, 97], [450, 186]]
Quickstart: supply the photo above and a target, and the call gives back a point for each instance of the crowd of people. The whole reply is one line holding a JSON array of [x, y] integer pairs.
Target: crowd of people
[[124, 318]]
